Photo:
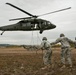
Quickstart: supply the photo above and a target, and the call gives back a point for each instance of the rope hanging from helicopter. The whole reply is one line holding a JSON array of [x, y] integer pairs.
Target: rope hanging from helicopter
[[38, 38], [32, 39], [33, 44]]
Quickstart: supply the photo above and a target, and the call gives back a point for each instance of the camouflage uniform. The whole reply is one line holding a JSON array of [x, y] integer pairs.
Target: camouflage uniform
[[65, 48], [45, 45], [75, 42]]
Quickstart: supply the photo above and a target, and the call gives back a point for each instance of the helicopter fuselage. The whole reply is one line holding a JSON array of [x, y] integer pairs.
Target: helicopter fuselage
[[29, 25]]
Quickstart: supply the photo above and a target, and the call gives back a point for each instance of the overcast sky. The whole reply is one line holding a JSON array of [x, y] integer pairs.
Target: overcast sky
[[65, 20]]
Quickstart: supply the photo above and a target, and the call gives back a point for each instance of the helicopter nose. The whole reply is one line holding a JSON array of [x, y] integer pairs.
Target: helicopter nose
[[54, 26]]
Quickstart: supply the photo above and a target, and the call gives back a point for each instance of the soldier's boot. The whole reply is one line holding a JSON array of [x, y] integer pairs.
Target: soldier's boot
[[43, 68], [70, 66], [49, 66], [62, 67], [46, 67]]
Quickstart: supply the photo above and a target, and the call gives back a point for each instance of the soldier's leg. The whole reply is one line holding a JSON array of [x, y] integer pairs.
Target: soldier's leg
[[69, 57], [45, 58], [63, 56], [49, 56]]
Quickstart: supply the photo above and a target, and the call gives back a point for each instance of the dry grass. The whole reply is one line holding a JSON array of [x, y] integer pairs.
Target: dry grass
[[18, 61]]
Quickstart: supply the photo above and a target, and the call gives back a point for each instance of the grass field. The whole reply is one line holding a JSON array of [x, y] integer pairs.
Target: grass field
[[19, 61]]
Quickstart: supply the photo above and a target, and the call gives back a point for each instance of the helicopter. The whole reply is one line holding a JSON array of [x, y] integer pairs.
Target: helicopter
[[31, 23]]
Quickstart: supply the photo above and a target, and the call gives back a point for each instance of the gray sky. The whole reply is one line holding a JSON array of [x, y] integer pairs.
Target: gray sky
[[65, 20]]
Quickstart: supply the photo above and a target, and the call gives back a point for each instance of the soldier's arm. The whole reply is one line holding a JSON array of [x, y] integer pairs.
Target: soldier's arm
[[71, 41], [57, 41], [42, 46]]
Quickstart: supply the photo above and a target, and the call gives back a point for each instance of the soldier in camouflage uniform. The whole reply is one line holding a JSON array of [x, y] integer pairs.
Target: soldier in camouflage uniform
[[65, 49], [75, 42], [45, 45]]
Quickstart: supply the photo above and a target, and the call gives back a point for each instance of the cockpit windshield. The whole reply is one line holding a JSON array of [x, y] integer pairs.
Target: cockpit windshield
[[48, 22]]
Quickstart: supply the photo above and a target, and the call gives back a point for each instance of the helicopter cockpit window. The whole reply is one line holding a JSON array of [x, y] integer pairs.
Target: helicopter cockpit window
[[44, 23], [48, 23]]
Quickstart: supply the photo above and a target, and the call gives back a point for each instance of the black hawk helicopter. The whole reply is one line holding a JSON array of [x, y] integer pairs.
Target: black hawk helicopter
[[31, 23]]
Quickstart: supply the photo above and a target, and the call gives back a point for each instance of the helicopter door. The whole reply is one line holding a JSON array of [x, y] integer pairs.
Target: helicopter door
[[26, 25], [44, 24], [40, 25], [32, 26]]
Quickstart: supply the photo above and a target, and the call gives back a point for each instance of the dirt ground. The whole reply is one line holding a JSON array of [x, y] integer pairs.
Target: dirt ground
[[20, 61]]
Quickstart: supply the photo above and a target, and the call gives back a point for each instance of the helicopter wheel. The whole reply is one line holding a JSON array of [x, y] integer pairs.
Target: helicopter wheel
[[41, 31]]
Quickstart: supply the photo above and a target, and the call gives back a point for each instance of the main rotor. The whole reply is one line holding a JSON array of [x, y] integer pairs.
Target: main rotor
[[31, 15]]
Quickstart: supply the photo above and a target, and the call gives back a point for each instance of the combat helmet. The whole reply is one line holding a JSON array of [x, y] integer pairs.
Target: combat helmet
[[44, 38], [61, 35]]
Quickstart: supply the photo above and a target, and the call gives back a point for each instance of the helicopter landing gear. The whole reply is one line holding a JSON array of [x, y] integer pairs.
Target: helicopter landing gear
[[41, 31], [2, 32]]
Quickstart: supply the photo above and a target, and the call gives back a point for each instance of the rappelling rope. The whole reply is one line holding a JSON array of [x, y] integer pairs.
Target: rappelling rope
[[38, 37], [32, 39]]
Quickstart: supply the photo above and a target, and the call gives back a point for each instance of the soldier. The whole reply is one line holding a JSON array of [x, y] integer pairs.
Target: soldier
[[45, 45], [75, 42], [65, 49]]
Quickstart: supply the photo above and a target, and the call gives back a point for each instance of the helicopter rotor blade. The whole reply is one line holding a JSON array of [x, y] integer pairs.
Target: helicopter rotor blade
[[20, 9], [55, 11], [35, 16], [20, 18]]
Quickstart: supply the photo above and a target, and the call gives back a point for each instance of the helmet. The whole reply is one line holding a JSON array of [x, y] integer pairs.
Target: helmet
[[44, 38], [61, 35]]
